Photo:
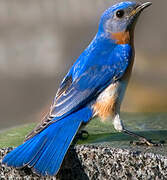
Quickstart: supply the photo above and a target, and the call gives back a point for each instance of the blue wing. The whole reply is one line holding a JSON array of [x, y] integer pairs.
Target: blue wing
[[87, 78], [73, 94]]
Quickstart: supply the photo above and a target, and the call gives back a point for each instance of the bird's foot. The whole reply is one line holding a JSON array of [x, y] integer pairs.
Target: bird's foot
[[82, 135], [142, 140], [147, 142]]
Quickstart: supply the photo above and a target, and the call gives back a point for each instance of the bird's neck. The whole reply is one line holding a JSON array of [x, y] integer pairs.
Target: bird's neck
[[105, 42], [125, 37], [117, 38]]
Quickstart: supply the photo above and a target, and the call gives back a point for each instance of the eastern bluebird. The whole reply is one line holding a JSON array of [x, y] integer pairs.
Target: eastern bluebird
[[94, 86]]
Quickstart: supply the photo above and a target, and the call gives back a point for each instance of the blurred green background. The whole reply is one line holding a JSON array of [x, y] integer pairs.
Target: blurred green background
[[40, 39]]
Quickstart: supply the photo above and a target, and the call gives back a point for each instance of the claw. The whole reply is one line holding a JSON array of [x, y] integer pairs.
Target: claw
[[83, 135], [144, 141]]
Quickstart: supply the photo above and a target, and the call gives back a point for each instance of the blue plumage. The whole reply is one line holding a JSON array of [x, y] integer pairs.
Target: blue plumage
[[92, 73], [92, 86], [45, 151]]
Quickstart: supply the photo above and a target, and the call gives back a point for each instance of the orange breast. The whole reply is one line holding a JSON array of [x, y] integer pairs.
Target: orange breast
[[105, 104], [110, 100], [121, 37], [105, 109]]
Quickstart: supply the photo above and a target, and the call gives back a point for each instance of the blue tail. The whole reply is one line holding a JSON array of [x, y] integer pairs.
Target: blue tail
[[45, 151]]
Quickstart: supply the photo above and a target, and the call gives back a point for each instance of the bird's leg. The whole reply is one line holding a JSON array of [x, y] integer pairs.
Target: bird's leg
[[118, 125], [81, 135], [142, 139]]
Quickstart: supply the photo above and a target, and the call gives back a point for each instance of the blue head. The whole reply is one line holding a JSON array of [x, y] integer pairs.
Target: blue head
[[118, 21]]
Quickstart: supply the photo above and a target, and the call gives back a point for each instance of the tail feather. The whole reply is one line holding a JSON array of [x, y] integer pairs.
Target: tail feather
[[23, 153], [52, 152], [10, 157], [45, 151], [55, 159]]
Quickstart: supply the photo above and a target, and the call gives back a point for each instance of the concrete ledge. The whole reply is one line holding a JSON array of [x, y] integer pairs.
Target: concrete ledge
[[99, 163]]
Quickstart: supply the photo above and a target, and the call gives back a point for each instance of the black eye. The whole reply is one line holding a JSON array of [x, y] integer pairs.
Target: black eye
[[120, 13]]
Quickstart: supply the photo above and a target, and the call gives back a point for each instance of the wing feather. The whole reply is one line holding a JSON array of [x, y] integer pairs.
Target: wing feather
[[82, 85]]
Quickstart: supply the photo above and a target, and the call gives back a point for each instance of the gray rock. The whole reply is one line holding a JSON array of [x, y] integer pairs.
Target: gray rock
[[98, 163]]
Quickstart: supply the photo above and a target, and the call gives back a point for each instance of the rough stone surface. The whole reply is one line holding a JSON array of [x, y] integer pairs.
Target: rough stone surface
[[98, 163]]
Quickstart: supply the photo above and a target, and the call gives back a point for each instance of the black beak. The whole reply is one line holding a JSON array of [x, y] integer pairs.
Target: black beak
[[140, 8]]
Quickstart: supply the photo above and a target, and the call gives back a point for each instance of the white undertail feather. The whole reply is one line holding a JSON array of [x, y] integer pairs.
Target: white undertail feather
[[117, 122]]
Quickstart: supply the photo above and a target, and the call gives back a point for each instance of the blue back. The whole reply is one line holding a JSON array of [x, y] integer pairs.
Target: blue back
[[99, 65]]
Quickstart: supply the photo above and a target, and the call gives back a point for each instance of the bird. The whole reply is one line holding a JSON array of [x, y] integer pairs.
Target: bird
[[94, 86]]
